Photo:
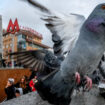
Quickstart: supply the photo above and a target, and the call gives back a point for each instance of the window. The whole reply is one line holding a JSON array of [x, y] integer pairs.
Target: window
[[30, 44], [23, 36], [11, 35], [6, 36], [34, 45], [21, 45], [6, 46], [30, 38], [10, 44]]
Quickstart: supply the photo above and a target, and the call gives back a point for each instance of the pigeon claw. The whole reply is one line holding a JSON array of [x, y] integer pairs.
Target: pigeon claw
[[77, 77], [88, 83]]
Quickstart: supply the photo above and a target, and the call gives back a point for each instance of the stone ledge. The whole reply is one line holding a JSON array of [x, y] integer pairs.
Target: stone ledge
[[28, 99], [87, 98]]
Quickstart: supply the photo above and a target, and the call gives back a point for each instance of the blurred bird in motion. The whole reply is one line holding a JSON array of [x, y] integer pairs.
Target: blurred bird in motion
[[83, 42]]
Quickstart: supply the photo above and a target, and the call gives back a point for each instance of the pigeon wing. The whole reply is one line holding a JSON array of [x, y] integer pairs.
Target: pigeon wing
[[64, 28], [65, 31], [37, 60], [31, 59]]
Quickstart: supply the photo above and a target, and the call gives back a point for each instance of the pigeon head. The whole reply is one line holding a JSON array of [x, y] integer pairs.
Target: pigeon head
[[96, 21], [98, 11]]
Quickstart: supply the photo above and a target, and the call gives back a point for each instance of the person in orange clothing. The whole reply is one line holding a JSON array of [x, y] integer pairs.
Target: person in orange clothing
[[32, 83]]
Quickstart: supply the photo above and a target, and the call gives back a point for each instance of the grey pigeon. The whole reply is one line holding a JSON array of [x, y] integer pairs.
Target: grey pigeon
[[86, 50]]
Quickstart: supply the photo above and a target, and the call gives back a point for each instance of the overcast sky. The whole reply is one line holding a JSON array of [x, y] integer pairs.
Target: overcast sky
[[30, 17]]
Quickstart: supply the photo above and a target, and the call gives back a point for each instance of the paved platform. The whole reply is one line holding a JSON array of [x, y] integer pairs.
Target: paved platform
[[88, 98]]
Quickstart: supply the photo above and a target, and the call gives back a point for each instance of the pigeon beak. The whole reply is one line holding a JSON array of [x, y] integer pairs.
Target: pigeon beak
[[103, 7]]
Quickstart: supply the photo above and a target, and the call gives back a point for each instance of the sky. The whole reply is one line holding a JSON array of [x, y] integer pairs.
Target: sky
[[29, 16]]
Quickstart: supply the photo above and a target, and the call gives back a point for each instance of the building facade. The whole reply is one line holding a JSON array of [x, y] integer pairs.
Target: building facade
[[21, 41]]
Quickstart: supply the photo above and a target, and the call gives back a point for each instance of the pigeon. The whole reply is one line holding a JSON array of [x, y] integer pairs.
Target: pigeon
[[84, 42]]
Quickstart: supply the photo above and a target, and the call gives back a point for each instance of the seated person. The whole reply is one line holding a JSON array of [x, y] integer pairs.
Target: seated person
[[10, 89], [23, 83]]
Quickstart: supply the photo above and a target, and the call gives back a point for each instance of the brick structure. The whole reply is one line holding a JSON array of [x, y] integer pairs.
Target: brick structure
[[21, 41]]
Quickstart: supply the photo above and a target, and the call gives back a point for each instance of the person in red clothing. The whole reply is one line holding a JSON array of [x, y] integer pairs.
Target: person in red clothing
[[32, 83]]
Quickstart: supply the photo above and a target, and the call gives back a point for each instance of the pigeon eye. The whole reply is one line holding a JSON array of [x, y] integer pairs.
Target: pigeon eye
[[103, 7]]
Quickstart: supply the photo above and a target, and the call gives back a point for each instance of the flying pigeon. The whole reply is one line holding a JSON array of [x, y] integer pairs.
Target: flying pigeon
[[85, 44], [85, 53]]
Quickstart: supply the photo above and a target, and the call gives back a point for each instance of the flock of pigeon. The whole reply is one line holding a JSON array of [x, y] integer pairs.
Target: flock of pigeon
[[77, 59]]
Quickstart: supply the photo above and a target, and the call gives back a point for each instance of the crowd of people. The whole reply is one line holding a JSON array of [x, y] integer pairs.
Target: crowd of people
[[23, 86]]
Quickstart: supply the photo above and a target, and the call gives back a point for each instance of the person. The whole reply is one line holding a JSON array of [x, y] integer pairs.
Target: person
[[23, 83], [32, 83], [10, 89]]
